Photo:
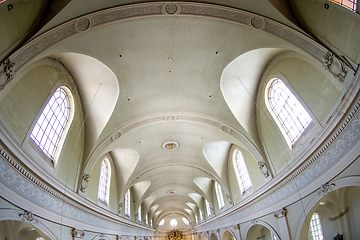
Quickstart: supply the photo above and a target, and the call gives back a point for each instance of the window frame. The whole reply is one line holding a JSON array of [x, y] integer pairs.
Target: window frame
[[208, 209], [220, 196], [33, 147], [243, 190], [106, 161], [310, 232], [127, 203], [304, 135]]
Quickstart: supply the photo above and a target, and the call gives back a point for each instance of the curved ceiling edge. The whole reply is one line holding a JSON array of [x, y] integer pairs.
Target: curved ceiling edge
[[246, 142], [100, 18]]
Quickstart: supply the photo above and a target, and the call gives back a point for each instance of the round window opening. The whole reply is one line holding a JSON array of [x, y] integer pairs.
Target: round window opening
[[173, 222]]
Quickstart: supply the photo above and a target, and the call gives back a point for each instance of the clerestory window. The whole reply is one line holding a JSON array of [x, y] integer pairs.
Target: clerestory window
[[127, 203], [291, 116], [161, 223], [219, 195], [349, 4], [315, 231], [201, 216], [139, 213], [104, 181], [208, 210], [50, 125], [241, 171]]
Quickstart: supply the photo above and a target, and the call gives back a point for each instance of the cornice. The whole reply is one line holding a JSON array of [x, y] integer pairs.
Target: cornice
[[97, 19]]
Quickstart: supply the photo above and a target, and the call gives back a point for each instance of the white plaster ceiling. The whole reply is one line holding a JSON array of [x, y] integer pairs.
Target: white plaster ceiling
[[169, 66]]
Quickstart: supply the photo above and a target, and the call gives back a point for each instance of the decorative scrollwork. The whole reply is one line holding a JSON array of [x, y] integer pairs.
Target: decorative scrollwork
[[281, 213], [326, 188], [8, 73], [335, 66], [27, 217], [77, 233], [84, 182], [263, 168]]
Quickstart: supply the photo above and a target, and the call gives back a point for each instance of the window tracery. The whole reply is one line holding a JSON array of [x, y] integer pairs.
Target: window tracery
[[315, 231], [291, 116], [127, 203], [220, 196], [51, 123], [104, 181], [242, 173]]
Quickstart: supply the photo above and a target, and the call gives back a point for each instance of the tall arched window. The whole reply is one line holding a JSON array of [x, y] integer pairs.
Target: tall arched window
[[201, 215], [161, 223], [127, 203], [208, 210], [349, 4], [196, 219], [315, 231], [104, 181], [241, 171], [292, 117], [139, 213], [219, 195], [51, 123]]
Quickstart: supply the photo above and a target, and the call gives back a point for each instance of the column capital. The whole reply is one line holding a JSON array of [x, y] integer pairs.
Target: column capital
[[280, 214]]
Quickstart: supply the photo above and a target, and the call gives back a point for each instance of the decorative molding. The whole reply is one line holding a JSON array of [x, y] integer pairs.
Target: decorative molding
[[115, 14], [120, 207], [7, 74], [77, 233], [229, 199], [84, 182], [335, 66], [340, 215], [263, 168], [254, 222], [326, 188], [280, 214], [226, 129], [28, 217], [115, 136]]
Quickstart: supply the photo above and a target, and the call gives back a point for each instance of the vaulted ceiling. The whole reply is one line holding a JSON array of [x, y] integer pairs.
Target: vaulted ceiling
[[146, 81]]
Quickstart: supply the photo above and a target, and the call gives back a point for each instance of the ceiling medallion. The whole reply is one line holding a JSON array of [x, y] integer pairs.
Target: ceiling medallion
[[170, 145]]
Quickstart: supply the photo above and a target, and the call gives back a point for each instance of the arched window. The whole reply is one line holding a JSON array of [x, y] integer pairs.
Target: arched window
[[219, 195], [139, 213], [40, 238], [104, 181], [51, 123], [186, 222], [196, 219], [201, 215], [146, 219], [208, 208], [161, 223], [349, 4], [127, 203], [315, 231], [241, 172], [291, 116]]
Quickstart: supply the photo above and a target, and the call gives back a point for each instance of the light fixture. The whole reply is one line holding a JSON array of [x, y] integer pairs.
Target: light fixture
[[171, 192]]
